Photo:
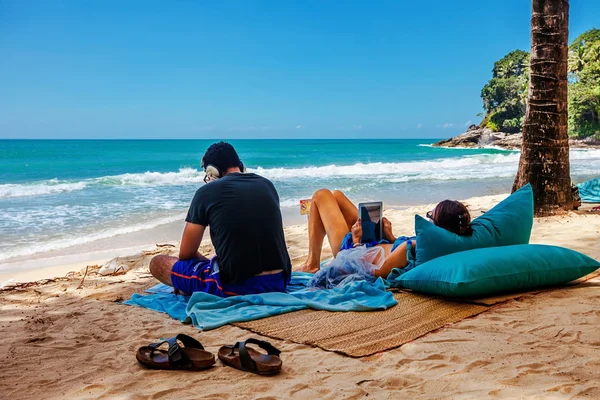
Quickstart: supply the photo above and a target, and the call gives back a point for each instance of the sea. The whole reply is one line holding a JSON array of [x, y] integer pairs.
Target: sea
[[68, 196]]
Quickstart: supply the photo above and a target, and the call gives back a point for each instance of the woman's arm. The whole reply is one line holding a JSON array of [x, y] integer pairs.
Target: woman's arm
[[397, 259]]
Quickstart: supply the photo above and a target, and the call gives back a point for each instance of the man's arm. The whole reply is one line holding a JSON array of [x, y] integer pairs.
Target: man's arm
[[190, 241]]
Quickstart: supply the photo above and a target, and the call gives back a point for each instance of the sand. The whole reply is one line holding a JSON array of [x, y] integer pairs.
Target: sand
[[61, 341]]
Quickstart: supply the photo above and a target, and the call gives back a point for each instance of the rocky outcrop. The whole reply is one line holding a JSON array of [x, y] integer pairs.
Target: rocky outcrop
[[587, 142], [476, 137]]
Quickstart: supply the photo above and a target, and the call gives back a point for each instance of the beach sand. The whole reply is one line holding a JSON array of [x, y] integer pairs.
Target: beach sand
[[61, 341]]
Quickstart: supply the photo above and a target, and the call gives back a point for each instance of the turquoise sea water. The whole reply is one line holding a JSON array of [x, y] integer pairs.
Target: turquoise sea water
[[55, 194]]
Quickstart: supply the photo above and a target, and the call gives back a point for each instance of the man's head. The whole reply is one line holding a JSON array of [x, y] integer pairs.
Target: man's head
[[222, 157]]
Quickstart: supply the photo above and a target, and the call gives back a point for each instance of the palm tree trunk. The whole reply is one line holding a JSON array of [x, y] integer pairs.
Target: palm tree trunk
[[545, 151]]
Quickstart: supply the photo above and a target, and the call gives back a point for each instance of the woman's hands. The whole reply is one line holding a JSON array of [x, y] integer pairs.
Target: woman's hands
[[387, 230], [356, 232]]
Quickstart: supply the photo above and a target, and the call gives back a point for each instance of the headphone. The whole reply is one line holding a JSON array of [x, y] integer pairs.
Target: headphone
[[213, 172]]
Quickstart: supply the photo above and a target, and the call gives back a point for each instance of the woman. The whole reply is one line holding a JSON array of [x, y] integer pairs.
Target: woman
[[333, 215]]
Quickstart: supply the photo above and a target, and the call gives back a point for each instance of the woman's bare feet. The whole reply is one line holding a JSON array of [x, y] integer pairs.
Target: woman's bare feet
[[387, 230], [308, 267]]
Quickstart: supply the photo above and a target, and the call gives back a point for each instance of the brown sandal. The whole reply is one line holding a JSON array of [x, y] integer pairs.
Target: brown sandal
[[192, 357], [247, 359]]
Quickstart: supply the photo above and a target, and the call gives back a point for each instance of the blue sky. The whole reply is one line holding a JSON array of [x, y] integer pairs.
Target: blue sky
[[254, 69]]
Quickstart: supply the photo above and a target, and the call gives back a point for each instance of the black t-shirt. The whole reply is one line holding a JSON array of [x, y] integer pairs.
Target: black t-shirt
[[245, 222]]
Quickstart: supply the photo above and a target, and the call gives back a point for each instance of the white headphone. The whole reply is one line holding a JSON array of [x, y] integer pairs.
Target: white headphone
[[214, 173]]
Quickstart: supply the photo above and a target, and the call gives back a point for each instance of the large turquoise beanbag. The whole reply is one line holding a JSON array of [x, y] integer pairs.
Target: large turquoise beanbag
[[494, 270], [508, 223]]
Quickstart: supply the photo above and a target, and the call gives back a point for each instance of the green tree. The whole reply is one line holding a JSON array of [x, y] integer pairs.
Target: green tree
[[504, 96], [514, 63], [584, 90], [577, 60], [586, 40]]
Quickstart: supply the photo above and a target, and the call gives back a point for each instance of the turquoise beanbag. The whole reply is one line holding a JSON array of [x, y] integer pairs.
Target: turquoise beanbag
[[508, 223], [494, 270]]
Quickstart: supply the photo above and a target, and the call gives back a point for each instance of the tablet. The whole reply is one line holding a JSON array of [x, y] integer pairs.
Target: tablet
[[370, 215]]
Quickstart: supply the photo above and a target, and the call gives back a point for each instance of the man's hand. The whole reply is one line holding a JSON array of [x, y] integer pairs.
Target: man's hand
[[387, 230], [356, 232], [190, 241]]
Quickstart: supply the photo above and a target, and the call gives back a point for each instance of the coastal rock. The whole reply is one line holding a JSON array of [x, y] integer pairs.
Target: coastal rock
[[476, 137], [587, 142]]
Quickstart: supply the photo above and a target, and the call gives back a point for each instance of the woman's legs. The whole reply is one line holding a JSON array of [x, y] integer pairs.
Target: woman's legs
[[332, 214], [347, 208], [326, 218]]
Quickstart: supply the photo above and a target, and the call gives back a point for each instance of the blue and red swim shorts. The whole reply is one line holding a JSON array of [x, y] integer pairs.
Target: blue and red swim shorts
[[203, 276]]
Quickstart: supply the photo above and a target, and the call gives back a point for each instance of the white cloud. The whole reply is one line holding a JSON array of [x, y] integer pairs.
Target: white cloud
[[469, 122], [448, 125], [419, 126], [299, 127], [357, 127]]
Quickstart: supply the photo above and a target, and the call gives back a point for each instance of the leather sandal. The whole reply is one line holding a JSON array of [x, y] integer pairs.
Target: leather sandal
[[245, 358], [192, 357]]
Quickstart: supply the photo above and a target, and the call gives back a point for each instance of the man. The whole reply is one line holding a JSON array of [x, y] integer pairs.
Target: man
[[246, 229]]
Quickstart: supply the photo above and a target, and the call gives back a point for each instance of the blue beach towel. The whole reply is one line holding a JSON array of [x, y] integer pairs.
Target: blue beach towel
[[207, 312], [589, 191]]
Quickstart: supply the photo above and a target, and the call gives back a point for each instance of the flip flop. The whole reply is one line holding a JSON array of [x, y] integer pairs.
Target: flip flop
[[192, 357], [245, 358]]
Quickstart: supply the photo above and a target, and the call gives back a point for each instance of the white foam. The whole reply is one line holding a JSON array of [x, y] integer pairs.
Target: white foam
[[449, 167], [42, 247], [475, 166], [39, 188], [584, 154], [184, 176], [288, 203]]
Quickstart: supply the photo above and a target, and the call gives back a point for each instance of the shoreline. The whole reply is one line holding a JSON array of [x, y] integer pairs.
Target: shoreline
[[59, 266], [40, 267], [166, 233], [102, 251]]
